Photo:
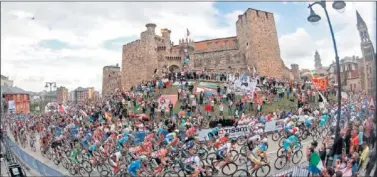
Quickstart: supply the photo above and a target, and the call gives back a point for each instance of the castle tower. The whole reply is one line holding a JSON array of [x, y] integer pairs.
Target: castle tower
[[139, 58], [165, 34], [368, 54], [258, 42], [366, 44], [317, 61], [296, 72]]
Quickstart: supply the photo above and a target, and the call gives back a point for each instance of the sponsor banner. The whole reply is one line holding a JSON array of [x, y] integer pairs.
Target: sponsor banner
[[235, 132]]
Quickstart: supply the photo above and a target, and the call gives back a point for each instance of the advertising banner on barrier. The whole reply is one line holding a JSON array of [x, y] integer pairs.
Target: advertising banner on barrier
[[235, 132]]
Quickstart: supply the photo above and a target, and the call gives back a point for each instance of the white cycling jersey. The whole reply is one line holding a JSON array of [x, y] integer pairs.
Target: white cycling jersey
[[194, 161]]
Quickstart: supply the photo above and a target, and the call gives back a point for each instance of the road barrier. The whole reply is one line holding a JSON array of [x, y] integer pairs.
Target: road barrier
[[31, 162]]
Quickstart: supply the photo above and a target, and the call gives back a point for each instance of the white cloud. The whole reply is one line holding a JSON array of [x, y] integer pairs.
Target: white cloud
[[85, 26], [299, 47]]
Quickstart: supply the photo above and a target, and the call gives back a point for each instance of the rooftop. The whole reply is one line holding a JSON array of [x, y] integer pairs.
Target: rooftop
[[12, 90]]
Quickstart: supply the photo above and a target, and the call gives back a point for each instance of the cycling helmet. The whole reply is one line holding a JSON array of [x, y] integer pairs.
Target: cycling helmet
[[176, 131], [190, 144], [314, 143], [142, 158], [233, 141], [264, 140], [227, 134]]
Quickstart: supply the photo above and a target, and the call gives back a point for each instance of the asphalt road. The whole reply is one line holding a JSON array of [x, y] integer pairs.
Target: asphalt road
[[273, 147]]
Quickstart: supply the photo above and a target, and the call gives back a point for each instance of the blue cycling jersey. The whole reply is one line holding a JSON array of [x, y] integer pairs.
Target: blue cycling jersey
[[215, 130], [134, 167], [92, 147], [262, 147], [123, 140]]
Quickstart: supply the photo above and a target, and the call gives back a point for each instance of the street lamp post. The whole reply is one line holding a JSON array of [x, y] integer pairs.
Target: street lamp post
[[313, 17], [50, 84]]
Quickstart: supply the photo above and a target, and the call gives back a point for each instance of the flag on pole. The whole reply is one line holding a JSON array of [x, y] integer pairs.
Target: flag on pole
[[188, 32], [315, 163]]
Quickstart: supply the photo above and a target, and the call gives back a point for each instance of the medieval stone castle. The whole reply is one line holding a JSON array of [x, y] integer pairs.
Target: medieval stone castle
[[255, 46]]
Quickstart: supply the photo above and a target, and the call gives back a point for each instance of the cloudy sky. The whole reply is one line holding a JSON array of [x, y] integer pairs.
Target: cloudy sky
[[71, 42]]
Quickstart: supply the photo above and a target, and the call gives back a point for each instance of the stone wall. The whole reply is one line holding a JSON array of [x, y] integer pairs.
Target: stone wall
[[220, 60], [256, 45], [111, 79], [295, 69], [258, 41], [140, 58]]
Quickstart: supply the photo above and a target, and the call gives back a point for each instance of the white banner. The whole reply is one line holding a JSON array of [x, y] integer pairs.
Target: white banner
[[235, 132], [11, 106]]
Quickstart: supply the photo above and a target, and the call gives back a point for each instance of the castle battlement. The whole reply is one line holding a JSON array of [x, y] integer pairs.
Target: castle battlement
[[257, 13], [256, 45]]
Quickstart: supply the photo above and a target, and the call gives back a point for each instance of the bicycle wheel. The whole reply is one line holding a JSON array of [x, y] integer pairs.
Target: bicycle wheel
[[229, 168], [304, 135], [83, 172], [297, 156], [234, 155], [280, 162], [241, 173], [181, 173], [169, 174], [87, 166], [72, 170], [65, 163], [244, 149], [241, 140], [210, 157], [275, 136], [281, 152], [263, 171], [202, 153], [281, 140]]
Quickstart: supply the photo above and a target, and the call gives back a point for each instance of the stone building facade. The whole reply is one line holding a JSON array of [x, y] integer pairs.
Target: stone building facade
[[6, 81], [83, 94], [20, 97], [255, 46], [62, 95], [111, 79], [368, 56], [350, 74], [295, 69]]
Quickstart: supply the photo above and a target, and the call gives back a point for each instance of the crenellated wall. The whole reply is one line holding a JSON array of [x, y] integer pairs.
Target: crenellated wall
[[255, 46], [258, 41]]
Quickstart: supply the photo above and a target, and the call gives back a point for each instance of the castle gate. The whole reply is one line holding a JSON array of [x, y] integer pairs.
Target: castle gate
[[174, 68]]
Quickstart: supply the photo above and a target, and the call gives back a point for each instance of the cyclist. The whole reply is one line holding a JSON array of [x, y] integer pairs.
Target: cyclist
[[150, 136], [212, 135], [252, 141], [221, 141], [172, 138], [308, 122], [192, 164], [93, 148], [260, 150], [86, 140], [223, 153], [160, 158], [73, 156], [134, 169], [122, 142], [115, 160], [290, 142]]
